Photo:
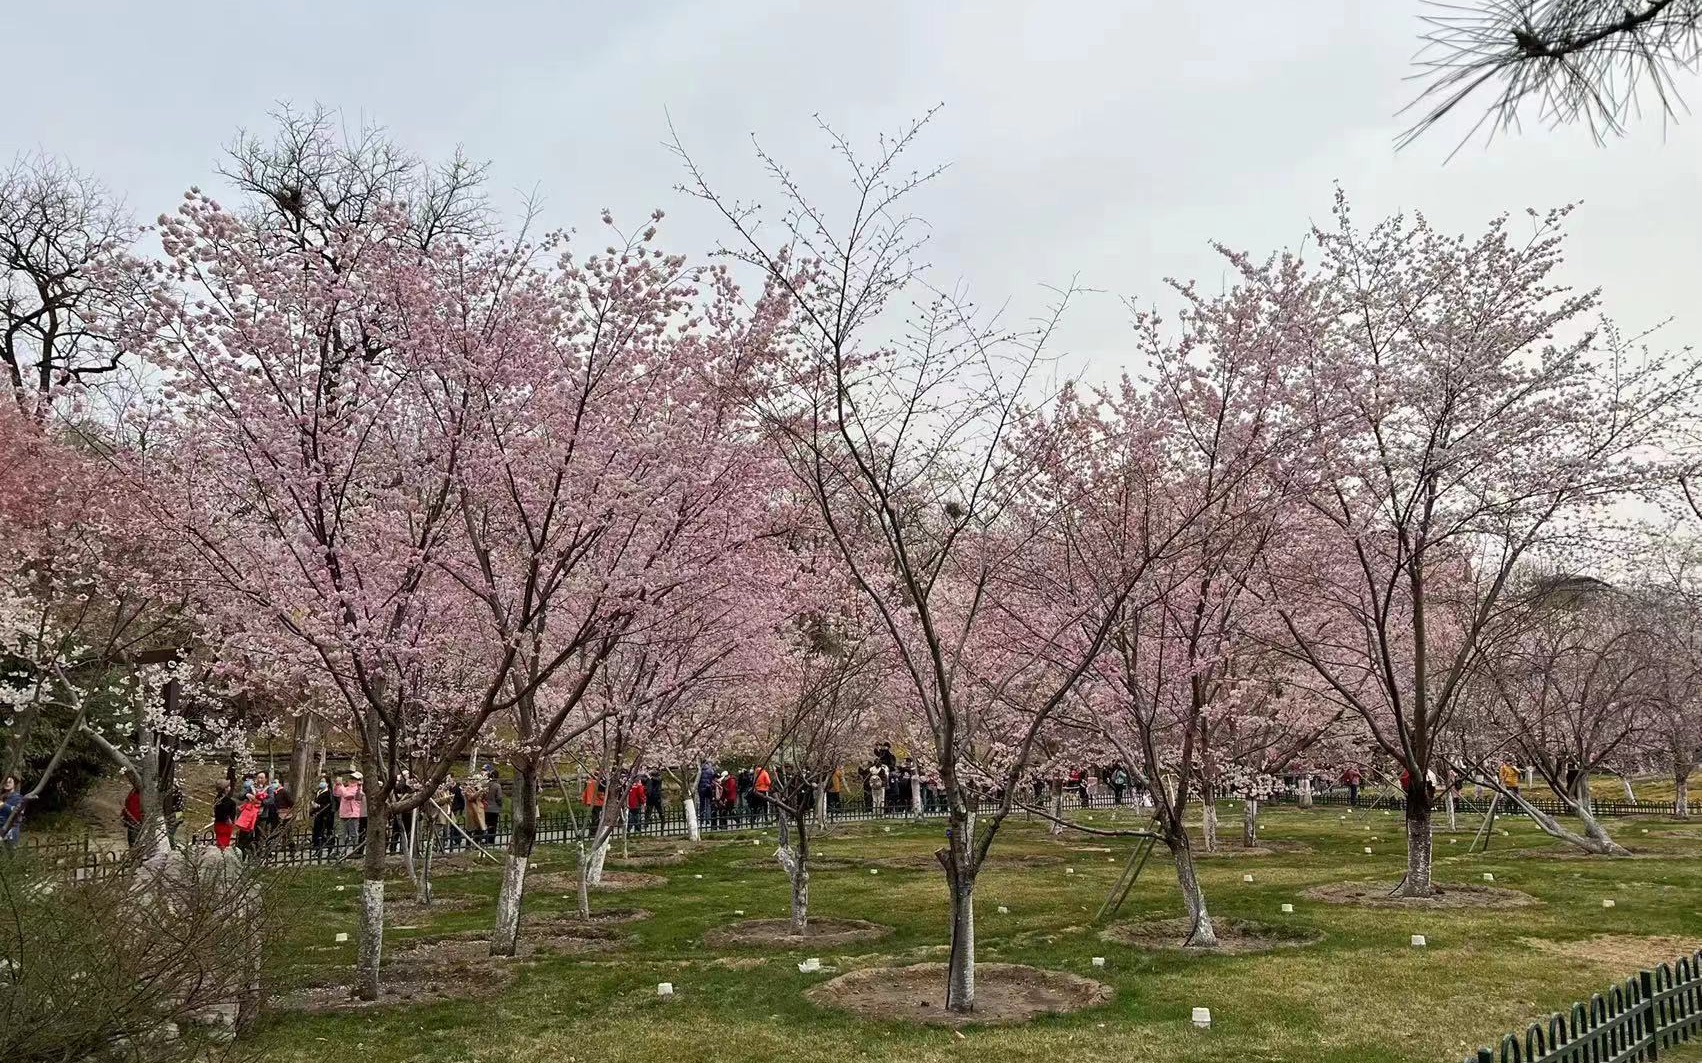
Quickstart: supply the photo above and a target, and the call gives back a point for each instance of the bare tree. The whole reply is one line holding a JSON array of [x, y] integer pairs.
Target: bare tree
[[1593, 61], [67, 278]]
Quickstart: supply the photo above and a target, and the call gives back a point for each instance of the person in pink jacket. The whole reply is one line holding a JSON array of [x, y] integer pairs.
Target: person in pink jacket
[[351, 807]]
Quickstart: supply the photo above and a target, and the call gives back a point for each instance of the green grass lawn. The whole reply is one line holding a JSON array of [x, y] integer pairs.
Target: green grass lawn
[[1362, 994]]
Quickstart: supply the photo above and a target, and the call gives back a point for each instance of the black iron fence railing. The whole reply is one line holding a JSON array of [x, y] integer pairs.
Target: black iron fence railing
[[1636, 1020]]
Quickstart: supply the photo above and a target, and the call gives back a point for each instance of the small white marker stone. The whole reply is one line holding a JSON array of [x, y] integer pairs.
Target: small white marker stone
[[810, 966], [1488, 876], [341, 937], [1451, 841], [1202, 1018], [1099, 961], [1645, 830], [1418, 941], [1111, 859], [697, 876], [1069, 870], [738, 911], [887, 829], [1386, 812], [1003, 910], [1288, 909], [1246, 878], [874, 870], [1368, 850], [664, 989], [756, 841], [1607, 902], [341, 888]]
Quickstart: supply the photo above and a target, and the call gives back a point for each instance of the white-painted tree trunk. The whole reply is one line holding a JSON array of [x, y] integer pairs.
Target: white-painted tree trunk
[[1306, 791], [1201, 933], [1681, 795], [1419, 853], [599, 853], [799, 875], [821, 808], [1453, 812], [371, 934], [915, 797], [1250, 823], [1057, 824], [584, 883], [505, 935], [693, 831], [1630, 794], [1208, 825]]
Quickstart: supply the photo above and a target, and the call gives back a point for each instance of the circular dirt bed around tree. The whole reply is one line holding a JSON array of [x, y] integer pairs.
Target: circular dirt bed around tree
[[613, 881], [407, 907], [928, 862], [1376, 895], [1004, 993], [1234, 936], [779, 932], [647, 860], [1265, 848], [817, 863], [405, 983]]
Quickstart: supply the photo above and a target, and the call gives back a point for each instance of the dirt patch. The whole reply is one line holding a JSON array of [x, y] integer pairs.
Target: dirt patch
[[927, 861], [817, 863], [1621, 953], [1572, 852], [601, 926], [1004, 993], [1234, 936], [1376, 895], [408, 908], [406, 984], [613, 881], [779, 932], [1265, 848], [445, 952], [646, 860]]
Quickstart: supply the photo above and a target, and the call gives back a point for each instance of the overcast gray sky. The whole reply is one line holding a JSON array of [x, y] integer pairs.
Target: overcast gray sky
[[1106, 140]]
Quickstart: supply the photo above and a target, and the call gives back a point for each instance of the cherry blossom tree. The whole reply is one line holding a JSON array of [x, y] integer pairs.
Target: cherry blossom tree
[[1472, 424], [914, 454], [325, 396]]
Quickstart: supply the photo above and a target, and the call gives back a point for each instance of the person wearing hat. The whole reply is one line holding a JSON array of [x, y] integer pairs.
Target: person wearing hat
[[351, 808]]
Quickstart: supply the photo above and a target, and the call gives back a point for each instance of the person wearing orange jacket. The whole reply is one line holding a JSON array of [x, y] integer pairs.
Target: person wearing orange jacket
[[761, 788]]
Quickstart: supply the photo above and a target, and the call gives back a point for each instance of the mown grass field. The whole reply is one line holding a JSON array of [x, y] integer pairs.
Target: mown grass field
[[1361, 994]]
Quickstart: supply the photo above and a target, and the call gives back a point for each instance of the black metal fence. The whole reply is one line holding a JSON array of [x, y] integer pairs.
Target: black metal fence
[[295, 844], [1636, 1020]]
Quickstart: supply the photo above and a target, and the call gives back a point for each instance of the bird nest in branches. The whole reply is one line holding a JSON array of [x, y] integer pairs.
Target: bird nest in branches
[[1004, 993], [1379, 895], [1234, 936], [779, 932]]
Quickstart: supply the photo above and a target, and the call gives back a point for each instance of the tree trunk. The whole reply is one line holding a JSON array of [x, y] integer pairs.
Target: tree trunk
[[1208, 825], [301, 757], [1630, 794], [693, 831], [1681, 794], [584, 884], [1417, 880], [821, 808], [599, 853], [371, 925], [1596, 833], [523, 834], [1057, 824], [1449, 804], [916, 797], [1201, 934], [1250, 823], [1306, 791], [958, 859]]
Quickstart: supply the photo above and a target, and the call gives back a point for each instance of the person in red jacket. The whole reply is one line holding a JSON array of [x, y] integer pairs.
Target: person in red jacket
[[729, 803], [635, 803], [132, 815]]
